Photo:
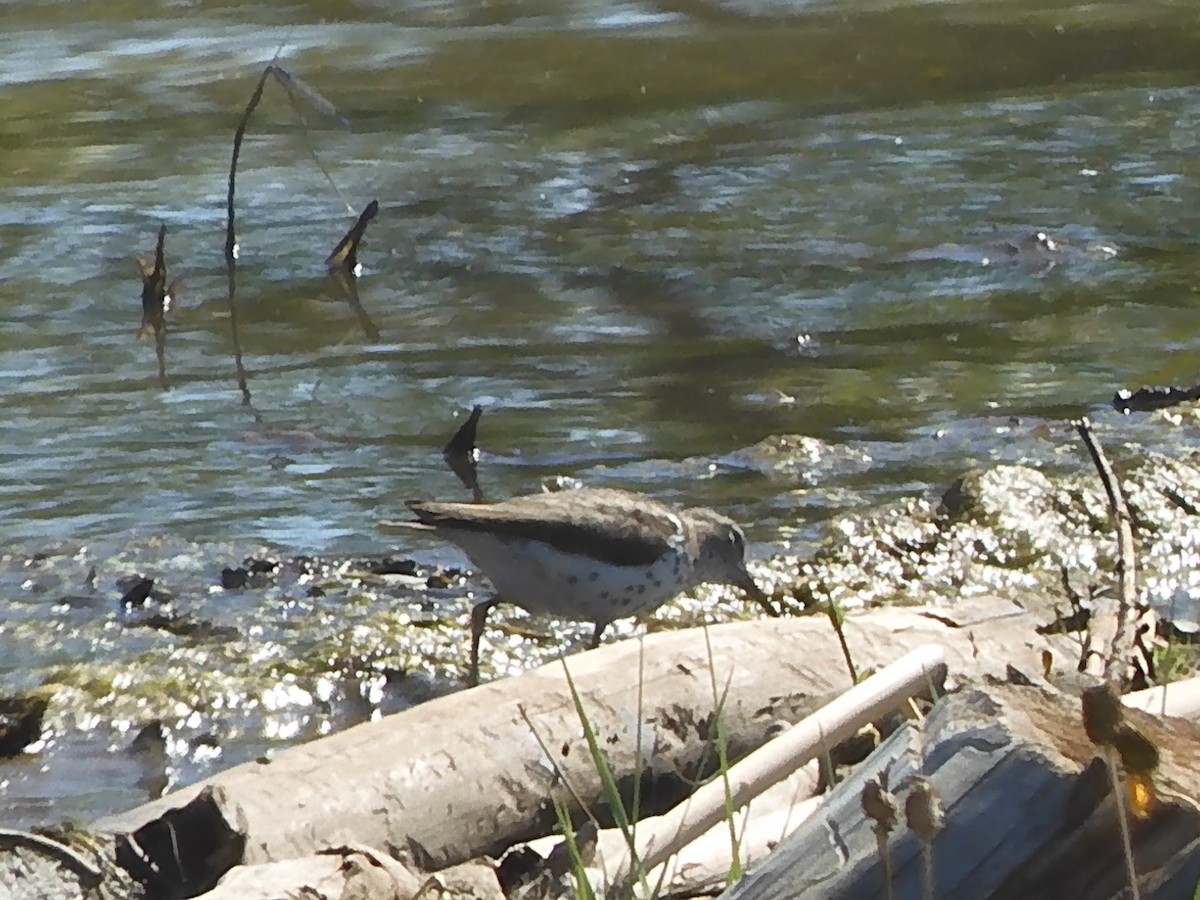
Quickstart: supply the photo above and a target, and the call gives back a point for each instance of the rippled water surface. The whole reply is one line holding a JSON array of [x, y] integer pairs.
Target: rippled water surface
[[643, 236]]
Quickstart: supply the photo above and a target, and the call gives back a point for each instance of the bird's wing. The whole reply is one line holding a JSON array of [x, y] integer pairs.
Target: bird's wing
[[597, 523]]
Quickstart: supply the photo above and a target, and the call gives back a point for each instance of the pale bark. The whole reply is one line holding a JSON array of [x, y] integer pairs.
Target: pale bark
[[1179, 698]]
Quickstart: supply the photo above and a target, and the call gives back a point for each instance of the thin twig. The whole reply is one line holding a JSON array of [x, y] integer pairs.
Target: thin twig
[[299, 94], [837, 618], [719, 698], [243, 382], [1126, 561], [238, 136], [231, 248]]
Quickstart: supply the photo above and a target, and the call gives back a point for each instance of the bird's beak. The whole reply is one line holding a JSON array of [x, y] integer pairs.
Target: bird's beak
[[755, 593]]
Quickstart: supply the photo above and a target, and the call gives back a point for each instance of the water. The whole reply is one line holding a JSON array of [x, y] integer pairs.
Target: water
[[644, 237]]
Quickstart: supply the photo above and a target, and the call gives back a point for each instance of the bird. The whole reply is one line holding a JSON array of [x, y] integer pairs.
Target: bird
[[588, 554]]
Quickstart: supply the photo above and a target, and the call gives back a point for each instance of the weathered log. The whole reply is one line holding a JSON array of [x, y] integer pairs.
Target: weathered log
[[465, 776], [338, 872], [1028, 812]]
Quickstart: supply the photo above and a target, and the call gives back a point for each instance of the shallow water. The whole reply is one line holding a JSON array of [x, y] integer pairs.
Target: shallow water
[[643, 236]]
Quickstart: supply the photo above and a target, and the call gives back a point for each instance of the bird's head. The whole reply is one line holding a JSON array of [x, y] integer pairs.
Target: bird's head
[[721, 559]]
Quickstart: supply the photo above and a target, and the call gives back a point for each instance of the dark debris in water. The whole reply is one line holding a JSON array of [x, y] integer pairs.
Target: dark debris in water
[[345, 254], [444, 579], [390, 565], [21, 722], [257, 573], [184, 625], [149, 749], [1043, 249], [1148, 399], [156, 300], [137, 593], [461, 453], [252, 573], [234, 579]]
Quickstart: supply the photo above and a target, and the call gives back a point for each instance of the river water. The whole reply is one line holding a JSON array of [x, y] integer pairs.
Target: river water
[[643, 236]]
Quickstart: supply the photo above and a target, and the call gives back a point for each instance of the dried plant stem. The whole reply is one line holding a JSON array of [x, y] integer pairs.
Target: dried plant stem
[[1107, 631], [879, 805], [238, 137], [885, 864], [837, 618], [239, 364], [923, 810], [927, 878], [1110, 763], [231, 252]]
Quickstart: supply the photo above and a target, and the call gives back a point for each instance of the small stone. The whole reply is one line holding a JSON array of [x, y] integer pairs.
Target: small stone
[[234, 579], [392, 566]]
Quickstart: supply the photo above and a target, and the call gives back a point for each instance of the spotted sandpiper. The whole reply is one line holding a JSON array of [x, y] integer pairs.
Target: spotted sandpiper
[[592, 554]]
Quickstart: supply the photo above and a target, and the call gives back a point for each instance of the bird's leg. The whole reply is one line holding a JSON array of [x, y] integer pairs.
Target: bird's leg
[[756, 594], [479, 614], [600, 626], [768, 607]]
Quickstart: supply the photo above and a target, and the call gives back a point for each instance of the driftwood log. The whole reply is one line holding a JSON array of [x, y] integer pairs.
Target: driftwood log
[[472, 774], [1029, 813]]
